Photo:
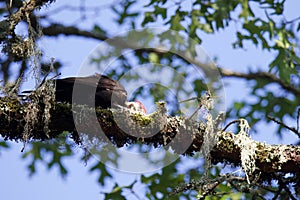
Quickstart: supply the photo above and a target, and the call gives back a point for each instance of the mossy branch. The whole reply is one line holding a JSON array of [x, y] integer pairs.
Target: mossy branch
[[16, 46], [129, 128]]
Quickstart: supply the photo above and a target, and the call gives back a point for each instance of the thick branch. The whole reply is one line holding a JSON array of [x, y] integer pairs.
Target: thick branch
[[130, 128], [59, 29]]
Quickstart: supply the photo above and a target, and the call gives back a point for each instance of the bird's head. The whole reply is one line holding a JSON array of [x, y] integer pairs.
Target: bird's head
[[136, 106]]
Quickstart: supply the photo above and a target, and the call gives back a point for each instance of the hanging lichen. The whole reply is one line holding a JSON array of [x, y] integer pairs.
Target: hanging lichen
[[40, 103], [248, 148]]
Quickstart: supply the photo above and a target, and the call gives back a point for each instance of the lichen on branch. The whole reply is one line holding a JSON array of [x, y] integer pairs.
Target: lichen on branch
[[174, 131]]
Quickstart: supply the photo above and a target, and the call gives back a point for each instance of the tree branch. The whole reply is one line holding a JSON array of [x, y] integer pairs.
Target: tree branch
[[176, 132], [261, 75], [16, 46], [24, 11], [57, 29]]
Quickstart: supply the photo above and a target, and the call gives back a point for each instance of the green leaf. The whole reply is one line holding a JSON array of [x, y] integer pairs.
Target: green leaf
[[246, 10], [97, 29], [103, 173], [175, 21], [4, 144], [153, 57], [238, 105], [199, 86], [148, 17], [115, 194], [160, 11]]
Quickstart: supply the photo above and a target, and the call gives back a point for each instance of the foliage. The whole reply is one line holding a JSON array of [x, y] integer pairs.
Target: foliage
[[58, 149]]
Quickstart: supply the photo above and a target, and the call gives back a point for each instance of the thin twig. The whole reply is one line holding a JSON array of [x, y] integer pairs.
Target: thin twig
[[284, 125], [194, 113], [190, 99], [292, 21], [298, 119], [261, 75], [232, 122]]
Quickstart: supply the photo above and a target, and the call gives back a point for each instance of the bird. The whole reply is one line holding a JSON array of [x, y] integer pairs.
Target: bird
[[136, 106], [98, 90]]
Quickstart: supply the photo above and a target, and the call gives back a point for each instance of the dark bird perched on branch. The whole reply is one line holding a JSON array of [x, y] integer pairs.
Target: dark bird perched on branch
[[96, 90]]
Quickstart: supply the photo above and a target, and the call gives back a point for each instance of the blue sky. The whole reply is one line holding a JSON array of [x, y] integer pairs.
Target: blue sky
[[80, 184]]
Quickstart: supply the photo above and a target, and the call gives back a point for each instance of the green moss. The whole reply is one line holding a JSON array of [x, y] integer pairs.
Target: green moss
[[142, 120]]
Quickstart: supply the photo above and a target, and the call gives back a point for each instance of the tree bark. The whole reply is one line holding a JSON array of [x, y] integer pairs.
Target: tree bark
[[130, 128]]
